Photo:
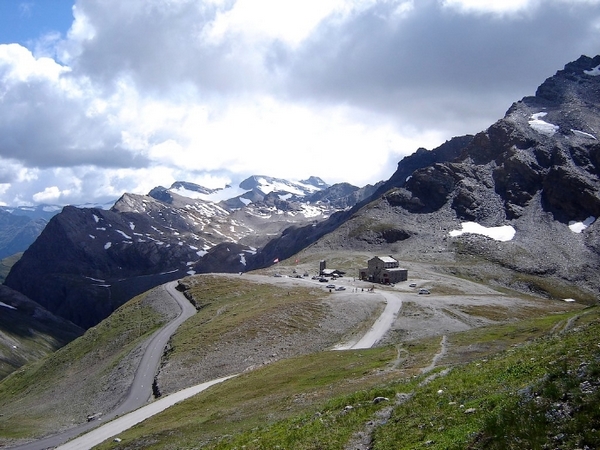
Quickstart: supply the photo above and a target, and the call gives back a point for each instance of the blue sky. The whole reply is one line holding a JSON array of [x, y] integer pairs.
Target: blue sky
[[24, 22], [143, 93]]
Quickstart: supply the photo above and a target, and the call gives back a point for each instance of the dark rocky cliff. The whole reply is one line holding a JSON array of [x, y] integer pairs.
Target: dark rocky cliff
[[535, 170], [87, 262]]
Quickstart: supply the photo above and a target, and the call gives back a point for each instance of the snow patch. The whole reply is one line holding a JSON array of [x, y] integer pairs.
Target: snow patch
[[503, 233], [594, 72], [96, 218], [132, 226], [578, 227], [125, 235], [243, 259], [569, 300], [92, 236], [96, 280], [541, 126], [245, 201], [583, 134], [107, 245], [7, 306]]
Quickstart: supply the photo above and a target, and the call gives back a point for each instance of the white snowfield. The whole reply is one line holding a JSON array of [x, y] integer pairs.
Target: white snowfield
[[578, 227], [503, 233], [594, 72], [541, 126], [507, 232]]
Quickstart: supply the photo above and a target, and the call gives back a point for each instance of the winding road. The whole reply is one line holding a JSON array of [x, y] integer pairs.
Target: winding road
[[132, 411], [381, 325], [141, 388]]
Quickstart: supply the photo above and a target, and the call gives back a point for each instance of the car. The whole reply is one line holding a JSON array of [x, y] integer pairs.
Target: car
[[340, 288], [330, 286], [412, 285], [424, 291], [323, 280]]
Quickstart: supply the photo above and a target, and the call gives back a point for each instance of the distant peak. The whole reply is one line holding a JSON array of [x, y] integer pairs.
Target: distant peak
[[315, 181]]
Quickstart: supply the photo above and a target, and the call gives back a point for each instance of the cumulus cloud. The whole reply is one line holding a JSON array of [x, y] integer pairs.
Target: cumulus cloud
[[140, 94]]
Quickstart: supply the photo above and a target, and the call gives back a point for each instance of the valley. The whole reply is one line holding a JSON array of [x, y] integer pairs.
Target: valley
[[491, 342], [297, 319]]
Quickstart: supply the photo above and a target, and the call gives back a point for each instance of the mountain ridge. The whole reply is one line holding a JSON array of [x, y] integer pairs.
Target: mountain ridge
[[535, 170], [104, 257]]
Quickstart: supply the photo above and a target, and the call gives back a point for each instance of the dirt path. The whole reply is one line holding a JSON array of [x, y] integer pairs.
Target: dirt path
[[437, 356]]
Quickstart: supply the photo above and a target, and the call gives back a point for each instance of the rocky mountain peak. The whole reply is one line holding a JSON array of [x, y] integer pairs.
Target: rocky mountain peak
[[535, 171]]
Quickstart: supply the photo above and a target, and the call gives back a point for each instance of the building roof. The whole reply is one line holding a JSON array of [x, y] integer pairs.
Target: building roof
[[386, 258]]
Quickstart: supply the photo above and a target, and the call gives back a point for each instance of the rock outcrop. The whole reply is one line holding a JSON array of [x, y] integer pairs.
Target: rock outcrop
[[535, 170]]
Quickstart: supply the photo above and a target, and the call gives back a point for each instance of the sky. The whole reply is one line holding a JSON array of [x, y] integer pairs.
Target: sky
[[103, 97]]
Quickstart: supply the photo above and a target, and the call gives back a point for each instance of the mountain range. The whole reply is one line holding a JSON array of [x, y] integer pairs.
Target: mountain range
[[89, 261], [501, 226], [534, 173]]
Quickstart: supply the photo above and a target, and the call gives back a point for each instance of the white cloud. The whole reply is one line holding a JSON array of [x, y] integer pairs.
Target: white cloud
[[489, 6], [291, 22], [142, 94], [49, 195]]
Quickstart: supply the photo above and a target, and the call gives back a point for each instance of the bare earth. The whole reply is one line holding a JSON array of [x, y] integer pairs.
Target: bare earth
[[454, 305]]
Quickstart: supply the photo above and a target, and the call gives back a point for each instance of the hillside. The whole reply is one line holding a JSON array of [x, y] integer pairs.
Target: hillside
[[29, 332], [500, 228], [533, 173], [541, 393], [89, 261], [271, 328], [88, 376]]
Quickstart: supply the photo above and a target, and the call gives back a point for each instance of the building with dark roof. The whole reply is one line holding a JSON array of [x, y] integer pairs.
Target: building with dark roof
[[383, 269]]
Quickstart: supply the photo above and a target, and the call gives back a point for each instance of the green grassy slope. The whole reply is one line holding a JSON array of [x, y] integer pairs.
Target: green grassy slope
[[87, 376], [536, 392]]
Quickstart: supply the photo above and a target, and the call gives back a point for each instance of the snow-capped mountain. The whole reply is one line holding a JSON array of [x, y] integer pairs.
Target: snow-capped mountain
[[103, 257], [532, 176]]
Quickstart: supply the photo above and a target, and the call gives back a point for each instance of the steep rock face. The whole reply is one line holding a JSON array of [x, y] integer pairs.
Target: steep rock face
[[539, 147], [534, 171], [448, 151], [87, 262]]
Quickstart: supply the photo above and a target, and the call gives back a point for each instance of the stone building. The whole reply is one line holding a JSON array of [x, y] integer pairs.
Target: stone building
[[383, 269]]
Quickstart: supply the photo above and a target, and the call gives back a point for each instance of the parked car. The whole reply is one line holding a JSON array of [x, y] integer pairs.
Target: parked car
[[412, 285], [330, 286], [323, 280], [340, 288], [424, 291]]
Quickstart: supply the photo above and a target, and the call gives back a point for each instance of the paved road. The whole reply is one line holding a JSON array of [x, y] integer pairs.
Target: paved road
[[381, 325], [141, 388], [106, 431], [101, 434]]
